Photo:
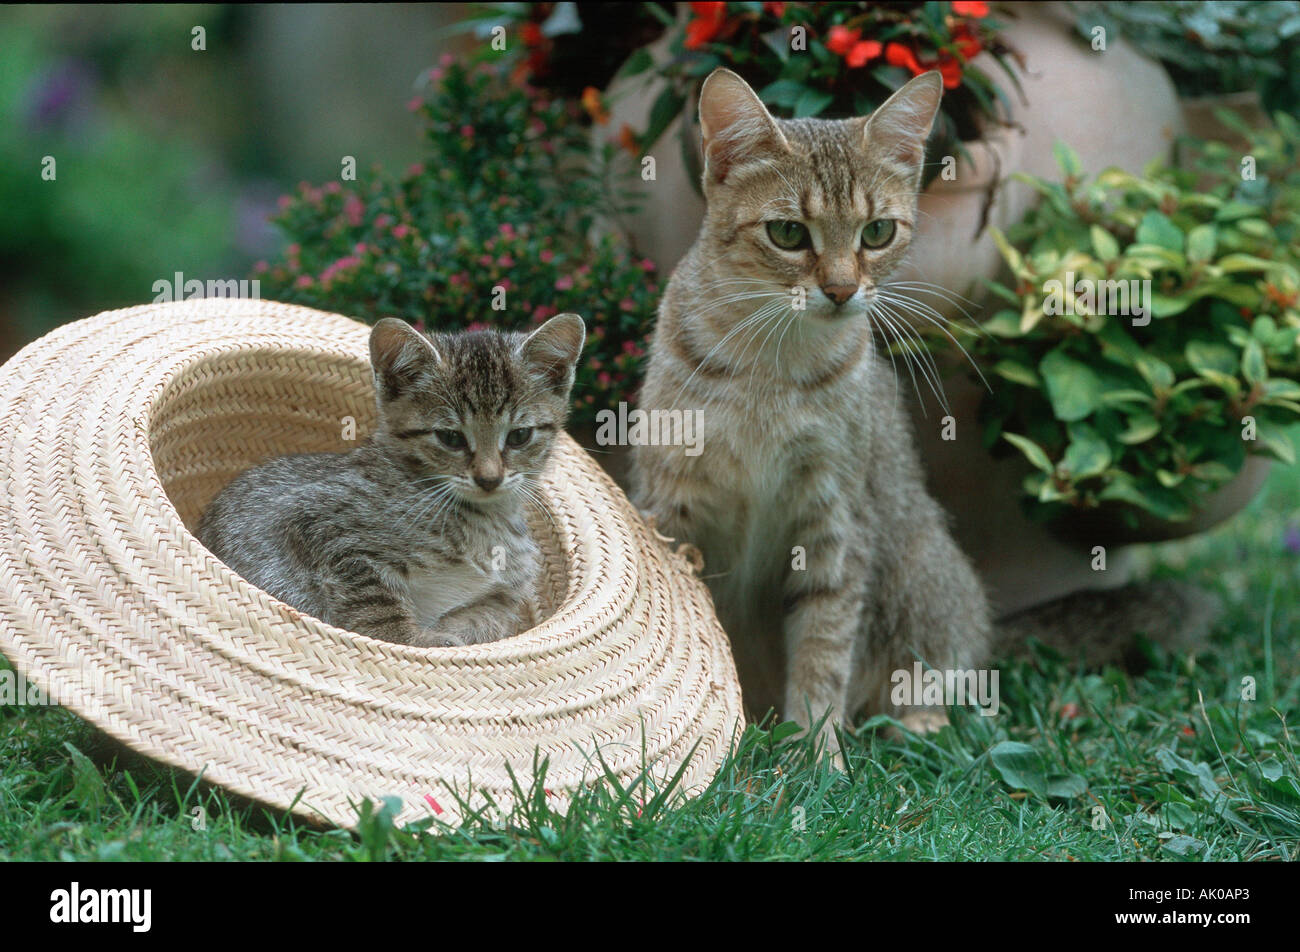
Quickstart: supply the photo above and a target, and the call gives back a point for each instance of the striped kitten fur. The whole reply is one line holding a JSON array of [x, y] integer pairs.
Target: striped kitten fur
[[418, 535], [830, 565]]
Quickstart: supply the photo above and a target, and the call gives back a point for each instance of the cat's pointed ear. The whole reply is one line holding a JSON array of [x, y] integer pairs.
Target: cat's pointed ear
[[552, 351], [734, 123], [897, 130], [398, 352]]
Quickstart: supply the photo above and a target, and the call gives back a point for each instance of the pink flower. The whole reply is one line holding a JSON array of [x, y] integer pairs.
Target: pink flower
[[333, 188], [485, 260], [303, 281], [507, 229], [401, 231], [414, 103], [565, 283], [627, 304], [415, 170], [354, 209], [505, 261], [547, 255], [382, 221], [647, 264], [467, 131], [360, 249], [284, 201]]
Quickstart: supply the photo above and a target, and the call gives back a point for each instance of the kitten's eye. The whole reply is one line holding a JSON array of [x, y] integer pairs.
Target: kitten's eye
[[519, 436], [878, 232], [452, 439], [788, 235]]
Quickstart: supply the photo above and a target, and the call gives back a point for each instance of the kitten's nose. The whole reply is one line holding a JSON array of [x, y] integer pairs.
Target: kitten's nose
[[488, 483], [839, 293]]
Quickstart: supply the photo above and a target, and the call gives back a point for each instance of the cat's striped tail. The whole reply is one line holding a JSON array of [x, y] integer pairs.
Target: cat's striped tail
[[1102, 626]]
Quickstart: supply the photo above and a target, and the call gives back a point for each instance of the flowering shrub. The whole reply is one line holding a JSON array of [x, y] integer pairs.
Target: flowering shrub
[[854, 56], [489, 230], [1151, 404]]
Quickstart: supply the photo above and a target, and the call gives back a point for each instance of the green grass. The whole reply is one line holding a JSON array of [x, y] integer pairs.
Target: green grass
[[1169, 765]]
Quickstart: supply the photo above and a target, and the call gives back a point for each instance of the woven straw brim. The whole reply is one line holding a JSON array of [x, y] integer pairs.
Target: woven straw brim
[[115, 433]]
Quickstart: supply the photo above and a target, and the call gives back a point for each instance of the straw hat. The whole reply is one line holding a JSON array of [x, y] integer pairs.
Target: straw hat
[[117, 430]]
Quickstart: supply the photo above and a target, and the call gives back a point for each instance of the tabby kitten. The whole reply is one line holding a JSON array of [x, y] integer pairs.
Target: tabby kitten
[[418, 535], [830, 565]]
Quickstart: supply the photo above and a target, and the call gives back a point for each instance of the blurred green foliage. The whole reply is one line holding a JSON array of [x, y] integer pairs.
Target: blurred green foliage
[[134, 197]]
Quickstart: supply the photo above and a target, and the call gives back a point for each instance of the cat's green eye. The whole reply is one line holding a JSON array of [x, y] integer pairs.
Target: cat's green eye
[[452, 439], [519, 436], [878, 232], [788, 235]]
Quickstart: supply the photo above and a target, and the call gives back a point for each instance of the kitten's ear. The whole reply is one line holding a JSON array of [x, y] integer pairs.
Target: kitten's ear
[[398, 352], [552, 351], [734, 123], [897, 130]]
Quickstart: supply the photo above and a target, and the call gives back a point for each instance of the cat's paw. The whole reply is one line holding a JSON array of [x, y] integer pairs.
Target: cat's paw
[[428, 638], [927, 720]]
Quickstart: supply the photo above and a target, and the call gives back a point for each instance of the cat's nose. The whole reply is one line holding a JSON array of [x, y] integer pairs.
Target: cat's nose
[[488, 483], [839, 293]]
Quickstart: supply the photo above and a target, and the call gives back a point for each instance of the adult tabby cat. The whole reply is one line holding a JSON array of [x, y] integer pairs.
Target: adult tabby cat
[[830, 565], [418, 535]]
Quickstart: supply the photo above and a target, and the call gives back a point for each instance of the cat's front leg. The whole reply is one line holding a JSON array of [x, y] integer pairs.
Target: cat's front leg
[[823, 615], [499, 614], [362, 601]]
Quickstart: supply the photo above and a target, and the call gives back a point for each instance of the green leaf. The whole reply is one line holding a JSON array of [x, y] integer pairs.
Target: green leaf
[[1253, 367], [1230, 264], [1155, 372], [1072, 387], [1215, 358], [637, 63], [1157, 229], [1033, 452], [1087, 455], [812, 102], [1067, 159], [1141, 428], [1017, 373], [1020, 766], [784, 92], [667, 106], [1201, 242], [1104, 243]]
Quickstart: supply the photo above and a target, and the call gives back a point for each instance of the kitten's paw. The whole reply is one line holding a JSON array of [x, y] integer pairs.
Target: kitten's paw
[[429, 638]]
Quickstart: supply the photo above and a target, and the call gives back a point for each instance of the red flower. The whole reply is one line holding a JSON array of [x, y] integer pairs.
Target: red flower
[[595, 107], [776, 9], [709, 18], [627, 139], [861, 52], [967, 43], [532, 34], [841, 39], [950, 70], [970, 8], [896, 54]]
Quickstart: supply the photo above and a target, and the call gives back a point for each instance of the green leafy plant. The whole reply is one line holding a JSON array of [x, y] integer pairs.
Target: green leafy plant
[[1217, 47], [1150, 338], [492, 228]]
